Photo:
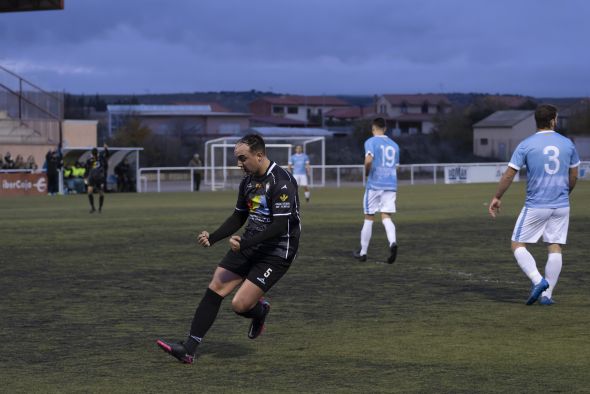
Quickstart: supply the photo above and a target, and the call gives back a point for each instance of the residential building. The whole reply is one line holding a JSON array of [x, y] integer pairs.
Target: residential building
[[409, 114], [311, 110], [193, 119], [498, 135]]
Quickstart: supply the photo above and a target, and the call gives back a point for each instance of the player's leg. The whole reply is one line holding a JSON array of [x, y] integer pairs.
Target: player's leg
[[90, 190], [555, 235], [387, 208], [227, 276], [371, 202], [306, 191], [101, 188], [248, 301], [528, 229], [224, 282]]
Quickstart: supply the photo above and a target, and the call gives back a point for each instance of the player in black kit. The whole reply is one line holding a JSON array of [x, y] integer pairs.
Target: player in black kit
[[96, 176], [269, 202]]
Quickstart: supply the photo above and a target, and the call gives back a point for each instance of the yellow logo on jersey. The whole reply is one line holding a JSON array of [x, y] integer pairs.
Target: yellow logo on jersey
[[284, 197]]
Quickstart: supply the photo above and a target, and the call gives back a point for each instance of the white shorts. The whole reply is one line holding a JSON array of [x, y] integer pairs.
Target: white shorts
[[551, 223], [301, 179], [379, 201]]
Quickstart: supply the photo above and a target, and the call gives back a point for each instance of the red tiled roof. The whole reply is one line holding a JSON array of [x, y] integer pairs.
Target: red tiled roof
[[417, 99], [328, 101]]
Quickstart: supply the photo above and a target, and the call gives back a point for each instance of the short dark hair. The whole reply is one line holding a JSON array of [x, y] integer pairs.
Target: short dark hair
[[254, 142], [94, 151], [379, 123], [544, 114]]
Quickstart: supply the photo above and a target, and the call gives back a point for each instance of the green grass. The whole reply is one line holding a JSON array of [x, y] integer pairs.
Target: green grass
[[83, 298]]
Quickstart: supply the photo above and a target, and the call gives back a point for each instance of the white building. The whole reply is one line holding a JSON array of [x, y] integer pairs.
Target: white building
[[498, 135]]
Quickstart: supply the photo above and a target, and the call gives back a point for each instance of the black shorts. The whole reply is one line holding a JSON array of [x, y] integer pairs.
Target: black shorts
[[96, 180], [261, 269]]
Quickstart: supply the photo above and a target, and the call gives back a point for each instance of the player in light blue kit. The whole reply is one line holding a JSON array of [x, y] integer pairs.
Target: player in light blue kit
[[552, 164], [381, 161], [299, 167]]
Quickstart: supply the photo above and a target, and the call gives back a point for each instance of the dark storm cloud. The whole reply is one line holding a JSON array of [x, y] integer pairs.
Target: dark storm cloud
[[307, 46]]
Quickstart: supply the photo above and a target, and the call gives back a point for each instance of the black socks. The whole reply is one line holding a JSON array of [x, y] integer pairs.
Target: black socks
[[204, 317]]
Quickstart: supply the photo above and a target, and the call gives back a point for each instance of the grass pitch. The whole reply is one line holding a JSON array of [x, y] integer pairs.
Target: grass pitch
[[84, 297]]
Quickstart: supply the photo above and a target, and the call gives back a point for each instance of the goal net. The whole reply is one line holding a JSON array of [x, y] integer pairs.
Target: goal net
[[222, 172]]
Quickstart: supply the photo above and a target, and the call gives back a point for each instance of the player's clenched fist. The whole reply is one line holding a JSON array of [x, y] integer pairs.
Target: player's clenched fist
[[234, 243], [203, 239]]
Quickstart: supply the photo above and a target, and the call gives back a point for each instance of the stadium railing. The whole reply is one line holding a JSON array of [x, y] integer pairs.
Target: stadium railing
[[169, 179]]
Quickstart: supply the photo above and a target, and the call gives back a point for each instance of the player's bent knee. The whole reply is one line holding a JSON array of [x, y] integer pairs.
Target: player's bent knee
[[240, 305]]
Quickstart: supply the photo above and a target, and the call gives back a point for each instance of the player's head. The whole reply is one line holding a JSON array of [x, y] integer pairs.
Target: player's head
[[378, 126], [546, 117], [94, 152], [298, 149], [251, 153]]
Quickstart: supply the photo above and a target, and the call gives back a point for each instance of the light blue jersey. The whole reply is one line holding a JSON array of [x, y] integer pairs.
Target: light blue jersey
[[548, 156], [385, 152], [298, 161]]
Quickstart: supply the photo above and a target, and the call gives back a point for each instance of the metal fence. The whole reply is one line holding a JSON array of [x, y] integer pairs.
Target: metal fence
[[176, 179]]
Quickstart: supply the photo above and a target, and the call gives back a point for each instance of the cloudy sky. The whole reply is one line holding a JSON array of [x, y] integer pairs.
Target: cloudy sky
[[529, 47]]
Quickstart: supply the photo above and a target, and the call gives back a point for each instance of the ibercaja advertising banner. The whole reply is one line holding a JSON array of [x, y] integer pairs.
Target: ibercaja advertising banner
[[22, 184]]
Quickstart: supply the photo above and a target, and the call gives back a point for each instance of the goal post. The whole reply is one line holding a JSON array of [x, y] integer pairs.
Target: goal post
[[222, 172]]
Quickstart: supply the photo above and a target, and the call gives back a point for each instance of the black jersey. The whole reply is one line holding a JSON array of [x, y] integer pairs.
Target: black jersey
[[273, 194], [99, 165]]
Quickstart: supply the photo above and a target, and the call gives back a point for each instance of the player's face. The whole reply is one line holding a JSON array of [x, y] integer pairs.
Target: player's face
[[247, 160], [298, 149]]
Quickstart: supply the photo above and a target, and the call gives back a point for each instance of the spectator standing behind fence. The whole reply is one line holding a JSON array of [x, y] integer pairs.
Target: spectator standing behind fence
[[123, 180], [31, 164], [19, 162], [196, 162], [8, 162]]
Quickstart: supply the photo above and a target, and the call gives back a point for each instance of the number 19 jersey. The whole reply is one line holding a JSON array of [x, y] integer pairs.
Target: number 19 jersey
[[548, 156], [385, 152]]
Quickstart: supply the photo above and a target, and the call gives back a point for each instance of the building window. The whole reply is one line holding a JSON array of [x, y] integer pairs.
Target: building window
[[404, 108], [292, 110], [278, 110], [425, 108], [382, 109], [483, 141]]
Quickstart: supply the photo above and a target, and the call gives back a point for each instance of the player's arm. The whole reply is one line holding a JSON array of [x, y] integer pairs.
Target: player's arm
[[573, 177], [230, 226], [368, 163], [503, 185], [276, 228], [308, 169]]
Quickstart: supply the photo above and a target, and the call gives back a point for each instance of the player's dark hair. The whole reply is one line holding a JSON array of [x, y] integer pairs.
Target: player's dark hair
[[544, 114], [94, 151], [254, 142], [379, 123]]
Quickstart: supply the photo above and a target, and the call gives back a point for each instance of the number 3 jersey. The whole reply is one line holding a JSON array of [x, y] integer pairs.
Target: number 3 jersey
[[268, 197], [548, 156], [385, 152]]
